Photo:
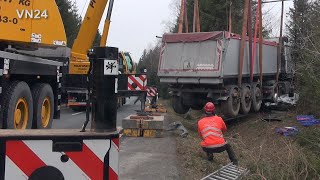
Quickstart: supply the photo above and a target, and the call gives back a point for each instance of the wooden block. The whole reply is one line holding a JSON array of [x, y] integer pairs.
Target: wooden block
[[148, 110], [161, 110], [131, 123], [132, 132], [141, 117], [152, 133], [156, 123]]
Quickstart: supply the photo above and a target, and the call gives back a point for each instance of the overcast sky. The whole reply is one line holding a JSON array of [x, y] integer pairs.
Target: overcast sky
[[136, 23]]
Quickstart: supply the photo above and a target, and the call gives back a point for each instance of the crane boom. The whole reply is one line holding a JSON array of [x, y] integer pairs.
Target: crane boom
[[79, 63], [105, 33]]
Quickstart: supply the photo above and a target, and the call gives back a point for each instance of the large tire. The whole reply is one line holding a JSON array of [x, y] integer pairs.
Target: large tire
[[197, 107], [124, 101], [178, 105], [246, 100], [231, 106], [43, 103], [18, 106], [256, 98]]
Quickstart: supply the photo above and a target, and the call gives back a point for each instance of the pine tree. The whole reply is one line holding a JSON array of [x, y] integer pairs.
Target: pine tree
[[304, 34], [72, 21]]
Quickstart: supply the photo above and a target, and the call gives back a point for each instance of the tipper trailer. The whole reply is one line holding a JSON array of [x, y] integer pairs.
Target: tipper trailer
[[204, 66]]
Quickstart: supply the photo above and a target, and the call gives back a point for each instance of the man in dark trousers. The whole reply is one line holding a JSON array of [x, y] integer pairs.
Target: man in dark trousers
[[210, 129]]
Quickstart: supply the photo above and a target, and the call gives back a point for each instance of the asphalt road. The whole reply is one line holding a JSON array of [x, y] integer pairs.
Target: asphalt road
[[74, 120], [140, 158]]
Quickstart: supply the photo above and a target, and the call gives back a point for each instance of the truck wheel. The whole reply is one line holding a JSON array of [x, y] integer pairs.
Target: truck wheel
[[124, 101], [43, 103], [256, 98], [178, 105], [245, 100], [231, 106], [197, 107], [276, 93], [18, 106]]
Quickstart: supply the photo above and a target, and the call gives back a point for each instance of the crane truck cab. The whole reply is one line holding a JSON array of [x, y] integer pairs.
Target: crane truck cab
[[128, 66], [30, 87]]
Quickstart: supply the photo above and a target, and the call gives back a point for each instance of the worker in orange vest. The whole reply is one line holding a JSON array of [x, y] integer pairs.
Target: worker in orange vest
[[210, 129]]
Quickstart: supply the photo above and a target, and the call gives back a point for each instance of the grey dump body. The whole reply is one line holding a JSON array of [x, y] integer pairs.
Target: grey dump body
[[211, 58]]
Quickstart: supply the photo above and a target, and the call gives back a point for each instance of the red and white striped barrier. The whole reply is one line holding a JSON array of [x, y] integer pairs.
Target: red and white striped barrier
[[26, 158], [152, 91], [137, 82]]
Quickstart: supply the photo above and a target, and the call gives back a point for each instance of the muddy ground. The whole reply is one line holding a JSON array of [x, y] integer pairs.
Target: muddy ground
[[258, 147]]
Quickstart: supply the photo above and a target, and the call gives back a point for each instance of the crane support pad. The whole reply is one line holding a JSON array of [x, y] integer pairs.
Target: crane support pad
[[228, 172], [58, 154]]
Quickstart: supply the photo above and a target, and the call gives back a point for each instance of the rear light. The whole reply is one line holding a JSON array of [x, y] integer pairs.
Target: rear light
[[71, 99]]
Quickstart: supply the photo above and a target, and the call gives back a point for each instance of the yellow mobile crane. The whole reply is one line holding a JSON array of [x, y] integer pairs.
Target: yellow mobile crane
[[32, 52], [32, 38]]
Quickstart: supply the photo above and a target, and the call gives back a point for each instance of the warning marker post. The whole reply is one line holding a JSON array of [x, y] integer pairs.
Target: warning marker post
[[104, 91]]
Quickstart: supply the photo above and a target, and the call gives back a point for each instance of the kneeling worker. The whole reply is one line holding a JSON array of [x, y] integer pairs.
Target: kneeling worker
[[210, 129]]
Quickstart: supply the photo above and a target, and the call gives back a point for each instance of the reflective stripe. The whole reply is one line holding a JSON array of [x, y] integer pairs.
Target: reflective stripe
[[213, 134], [1, 72], [211, 128]]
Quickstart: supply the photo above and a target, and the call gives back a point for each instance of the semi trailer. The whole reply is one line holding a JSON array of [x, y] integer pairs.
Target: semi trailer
[[204, 66]]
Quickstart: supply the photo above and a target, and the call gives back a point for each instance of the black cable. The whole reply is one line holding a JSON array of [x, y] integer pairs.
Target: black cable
[[89, 79]]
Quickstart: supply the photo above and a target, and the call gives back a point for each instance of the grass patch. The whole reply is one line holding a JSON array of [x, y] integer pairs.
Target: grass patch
[[258, 147]]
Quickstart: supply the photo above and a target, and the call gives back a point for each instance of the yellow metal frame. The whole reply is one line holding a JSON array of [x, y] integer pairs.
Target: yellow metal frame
[[21, 114], [31, 22], [79, 63]]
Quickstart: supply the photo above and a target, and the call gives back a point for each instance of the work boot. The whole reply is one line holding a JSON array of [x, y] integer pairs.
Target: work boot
[[210, 156], [235, 163]]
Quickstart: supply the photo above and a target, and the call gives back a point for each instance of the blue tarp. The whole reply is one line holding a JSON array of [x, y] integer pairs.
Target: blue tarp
[[287, 131], [307, 120]]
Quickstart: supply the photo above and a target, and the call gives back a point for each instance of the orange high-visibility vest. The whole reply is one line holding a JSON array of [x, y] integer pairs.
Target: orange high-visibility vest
[[210, 129]]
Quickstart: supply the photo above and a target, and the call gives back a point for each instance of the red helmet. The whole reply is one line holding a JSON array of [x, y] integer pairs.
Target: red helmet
[[209, 107]]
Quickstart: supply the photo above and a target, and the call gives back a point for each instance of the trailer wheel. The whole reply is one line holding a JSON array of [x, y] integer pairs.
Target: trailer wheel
[[124, 101], [231, 106], [256, 98], [178, 105], [276, 93], [197, 107], [43, 103], [18, 107], [245, 100]]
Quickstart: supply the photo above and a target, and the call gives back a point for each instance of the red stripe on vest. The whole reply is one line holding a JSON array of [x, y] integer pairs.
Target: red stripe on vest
[[23, 157], [88, 162]]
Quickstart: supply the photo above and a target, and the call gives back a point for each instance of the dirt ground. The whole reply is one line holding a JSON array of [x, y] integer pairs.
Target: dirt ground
[[257, 145]]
